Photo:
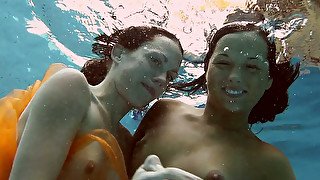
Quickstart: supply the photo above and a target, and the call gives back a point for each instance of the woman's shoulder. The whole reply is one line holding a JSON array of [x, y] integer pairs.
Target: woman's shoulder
[[70, 74], [164, 112], [66, 88], [275, 163], [69, 80], [169, 104], [172, 107]]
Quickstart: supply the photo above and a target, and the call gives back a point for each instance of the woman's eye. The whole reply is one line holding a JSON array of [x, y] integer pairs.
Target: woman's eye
[[222, 63], [253, 67], [156, 60]]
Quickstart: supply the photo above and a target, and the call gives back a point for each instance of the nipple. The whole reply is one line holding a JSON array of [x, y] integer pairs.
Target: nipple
[[90, 167], [214, 175]]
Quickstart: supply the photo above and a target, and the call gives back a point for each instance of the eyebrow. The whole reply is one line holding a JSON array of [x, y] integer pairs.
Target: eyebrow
[[222, 54], [254, 58], [248, 59]]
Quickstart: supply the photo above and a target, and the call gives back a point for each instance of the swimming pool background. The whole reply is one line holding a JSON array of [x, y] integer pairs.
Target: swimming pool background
[[24, 57]]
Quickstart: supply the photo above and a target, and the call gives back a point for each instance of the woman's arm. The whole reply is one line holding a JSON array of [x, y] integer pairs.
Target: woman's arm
[[53, 68], [54, 118]]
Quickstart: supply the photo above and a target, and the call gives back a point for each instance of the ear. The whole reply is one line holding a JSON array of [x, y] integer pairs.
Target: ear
[[269, 83], [117, 52]]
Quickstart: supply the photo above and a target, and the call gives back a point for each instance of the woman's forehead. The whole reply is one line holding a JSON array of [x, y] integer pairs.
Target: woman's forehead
[[159, 42], [243, 42], [245, 36]]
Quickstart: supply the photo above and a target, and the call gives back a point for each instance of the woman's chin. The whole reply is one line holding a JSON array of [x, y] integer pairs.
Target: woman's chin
[[233, 107], [141, 104]]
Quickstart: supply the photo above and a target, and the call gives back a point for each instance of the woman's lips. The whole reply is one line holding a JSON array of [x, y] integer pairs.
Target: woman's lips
[[149, 89], [234, 92]]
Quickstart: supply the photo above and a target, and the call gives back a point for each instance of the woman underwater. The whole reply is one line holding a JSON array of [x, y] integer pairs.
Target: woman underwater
[[245, 85], [70, 129]]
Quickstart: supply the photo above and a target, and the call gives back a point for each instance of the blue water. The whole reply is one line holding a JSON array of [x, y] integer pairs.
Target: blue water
[[24, 57]]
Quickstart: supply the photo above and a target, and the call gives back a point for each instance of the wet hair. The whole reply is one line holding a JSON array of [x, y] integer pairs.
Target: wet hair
[[275, 99], [130, 38]]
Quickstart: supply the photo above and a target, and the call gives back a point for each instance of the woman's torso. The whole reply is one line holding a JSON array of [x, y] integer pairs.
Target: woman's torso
[[91, 160], [182, 140]]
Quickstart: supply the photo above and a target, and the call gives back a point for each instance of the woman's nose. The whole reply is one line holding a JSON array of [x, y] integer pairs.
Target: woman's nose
[[235, 75], [161, 79]]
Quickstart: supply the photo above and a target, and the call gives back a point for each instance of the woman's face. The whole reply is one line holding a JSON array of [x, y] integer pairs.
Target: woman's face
[[238, 72], [146, 71]]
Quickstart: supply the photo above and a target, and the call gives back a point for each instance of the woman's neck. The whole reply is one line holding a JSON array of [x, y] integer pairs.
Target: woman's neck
[[113, 103], [218, 116]]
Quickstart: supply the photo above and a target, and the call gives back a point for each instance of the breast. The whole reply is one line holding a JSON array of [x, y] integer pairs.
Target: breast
[[95, 153], [193, 151], [85, 163], [94, 156]]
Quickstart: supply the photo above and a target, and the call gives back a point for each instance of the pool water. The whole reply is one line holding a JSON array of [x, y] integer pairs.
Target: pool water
[[27, 49]]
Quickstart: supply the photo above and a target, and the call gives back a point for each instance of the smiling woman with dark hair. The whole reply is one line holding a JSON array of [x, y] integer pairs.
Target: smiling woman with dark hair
[[245, 85], [283, 74]]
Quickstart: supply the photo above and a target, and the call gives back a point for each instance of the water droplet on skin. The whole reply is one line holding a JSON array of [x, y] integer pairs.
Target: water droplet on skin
[[127, 88], [144, 76], [226, 49]]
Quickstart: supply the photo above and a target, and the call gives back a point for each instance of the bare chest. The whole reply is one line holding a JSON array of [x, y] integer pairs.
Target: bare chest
[[95, 118], [89, 161], [197, 153]]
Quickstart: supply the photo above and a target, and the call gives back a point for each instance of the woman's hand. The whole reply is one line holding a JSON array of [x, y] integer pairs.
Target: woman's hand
[[152, 169]]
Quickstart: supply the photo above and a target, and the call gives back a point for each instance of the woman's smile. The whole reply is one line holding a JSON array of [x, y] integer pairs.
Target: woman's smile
[[150, 89], [234, 92]]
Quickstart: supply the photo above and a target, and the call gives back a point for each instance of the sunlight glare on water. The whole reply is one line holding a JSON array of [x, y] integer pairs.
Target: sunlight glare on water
[[192, 21]]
